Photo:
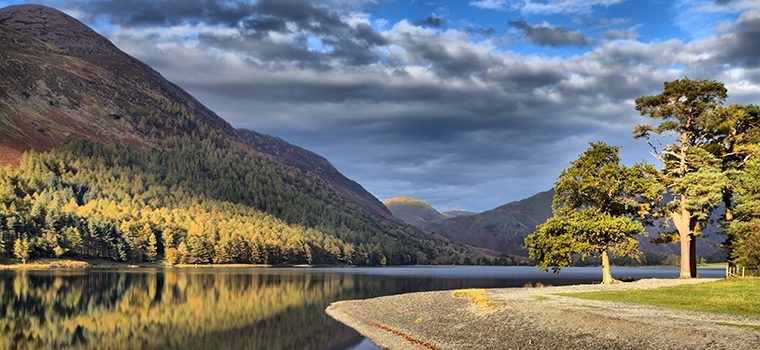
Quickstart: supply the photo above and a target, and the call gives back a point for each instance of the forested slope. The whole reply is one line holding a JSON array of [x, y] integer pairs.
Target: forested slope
[[108, 159]]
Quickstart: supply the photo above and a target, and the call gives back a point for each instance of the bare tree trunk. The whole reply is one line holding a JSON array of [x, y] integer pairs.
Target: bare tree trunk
[[606, 272], [681, 222]]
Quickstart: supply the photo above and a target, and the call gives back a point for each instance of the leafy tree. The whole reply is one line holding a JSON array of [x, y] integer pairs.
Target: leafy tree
[[595, 202], [734, 134], [691, 174]]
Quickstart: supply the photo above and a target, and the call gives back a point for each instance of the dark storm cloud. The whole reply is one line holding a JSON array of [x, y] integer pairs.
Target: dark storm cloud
[[551, 36], [741, 45], [450, 58], [522, 76], [168, 12], [350, 44], [299, 21]]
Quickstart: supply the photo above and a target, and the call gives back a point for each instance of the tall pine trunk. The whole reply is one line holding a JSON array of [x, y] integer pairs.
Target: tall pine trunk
[[682, 222]]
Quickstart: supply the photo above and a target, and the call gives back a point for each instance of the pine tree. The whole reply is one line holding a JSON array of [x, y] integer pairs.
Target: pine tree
[[745, 228], [691, 174]]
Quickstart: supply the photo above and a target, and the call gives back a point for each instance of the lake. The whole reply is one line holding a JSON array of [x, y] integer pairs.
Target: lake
[[232, 308]]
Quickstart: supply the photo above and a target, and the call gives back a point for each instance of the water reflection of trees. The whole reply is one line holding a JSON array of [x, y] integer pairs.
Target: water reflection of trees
[[169, 309], [194, 309]]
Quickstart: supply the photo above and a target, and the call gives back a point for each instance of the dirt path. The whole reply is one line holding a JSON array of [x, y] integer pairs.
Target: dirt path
[[535, 318]]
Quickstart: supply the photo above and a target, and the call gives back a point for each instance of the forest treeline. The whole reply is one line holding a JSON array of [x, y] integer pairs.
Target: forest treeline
[[196, 200]]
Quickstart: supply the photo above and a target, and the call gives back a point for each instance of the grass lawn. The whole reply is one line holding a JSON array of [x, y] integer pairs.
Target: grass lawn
[[733, 297], [720, 265]]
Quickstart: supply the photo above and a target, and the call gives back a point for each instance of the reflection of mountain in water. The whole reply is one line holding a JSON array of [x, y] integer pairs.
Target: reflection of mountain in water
[[227, 308]]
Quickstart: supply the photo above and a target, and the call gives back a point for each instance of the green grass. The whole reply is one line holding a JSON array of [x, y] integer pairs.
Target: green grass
[[719, 265], [733, 297], [539, 297]]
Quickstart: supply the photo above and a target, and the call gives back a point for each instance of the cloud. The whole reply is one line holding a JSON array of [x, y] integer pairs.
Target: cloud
[[432, 21], [624, 34], [738, 45], [167, 12], [489, 4], [546, 35], [545, 6]]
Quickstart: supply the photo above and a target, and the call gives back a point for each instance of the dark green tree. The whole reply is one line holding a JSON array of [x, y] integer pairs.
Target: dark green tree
[[734, 134], [745, 228], [691, 174], [595, 204]]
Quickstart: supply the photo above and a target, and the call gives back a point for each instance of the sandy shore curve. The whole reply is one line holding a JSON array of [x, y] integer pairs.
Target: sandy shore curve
[[537, 318]]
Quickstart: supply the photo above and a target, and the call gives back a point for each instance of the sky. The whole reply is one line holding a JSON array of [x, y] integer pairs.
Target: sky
[[465, 104]]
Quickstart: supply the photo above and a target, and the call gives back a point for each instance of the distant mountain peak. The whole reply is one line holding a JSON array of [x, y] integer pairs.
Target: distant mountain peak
[[413, 211], [405, 200]]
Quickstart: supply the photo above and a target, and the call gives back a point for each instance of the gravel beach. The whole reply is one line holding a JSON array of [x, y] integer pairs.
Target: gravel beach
[[537, 318]]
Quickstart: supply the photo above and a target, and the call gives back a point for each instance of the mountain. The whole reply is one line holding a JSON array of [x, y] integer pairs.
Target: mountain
[[413, 211], [311, 162], [108, 159], [502, 229]]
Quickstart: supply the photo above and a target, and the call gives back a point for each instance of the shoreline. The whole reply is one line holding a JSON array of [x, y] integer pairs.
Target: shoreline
[[102, 264], [96, 264], [537, 318]]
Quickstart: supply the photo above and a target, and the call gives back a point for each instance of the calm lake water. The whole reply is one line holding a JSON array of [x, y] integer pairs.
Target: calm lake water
[[235, 308]]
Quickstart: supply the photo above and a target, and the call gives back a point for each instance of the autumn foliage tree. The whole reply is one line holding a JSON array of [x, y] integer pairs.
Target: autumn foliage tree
[[595, 204]]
